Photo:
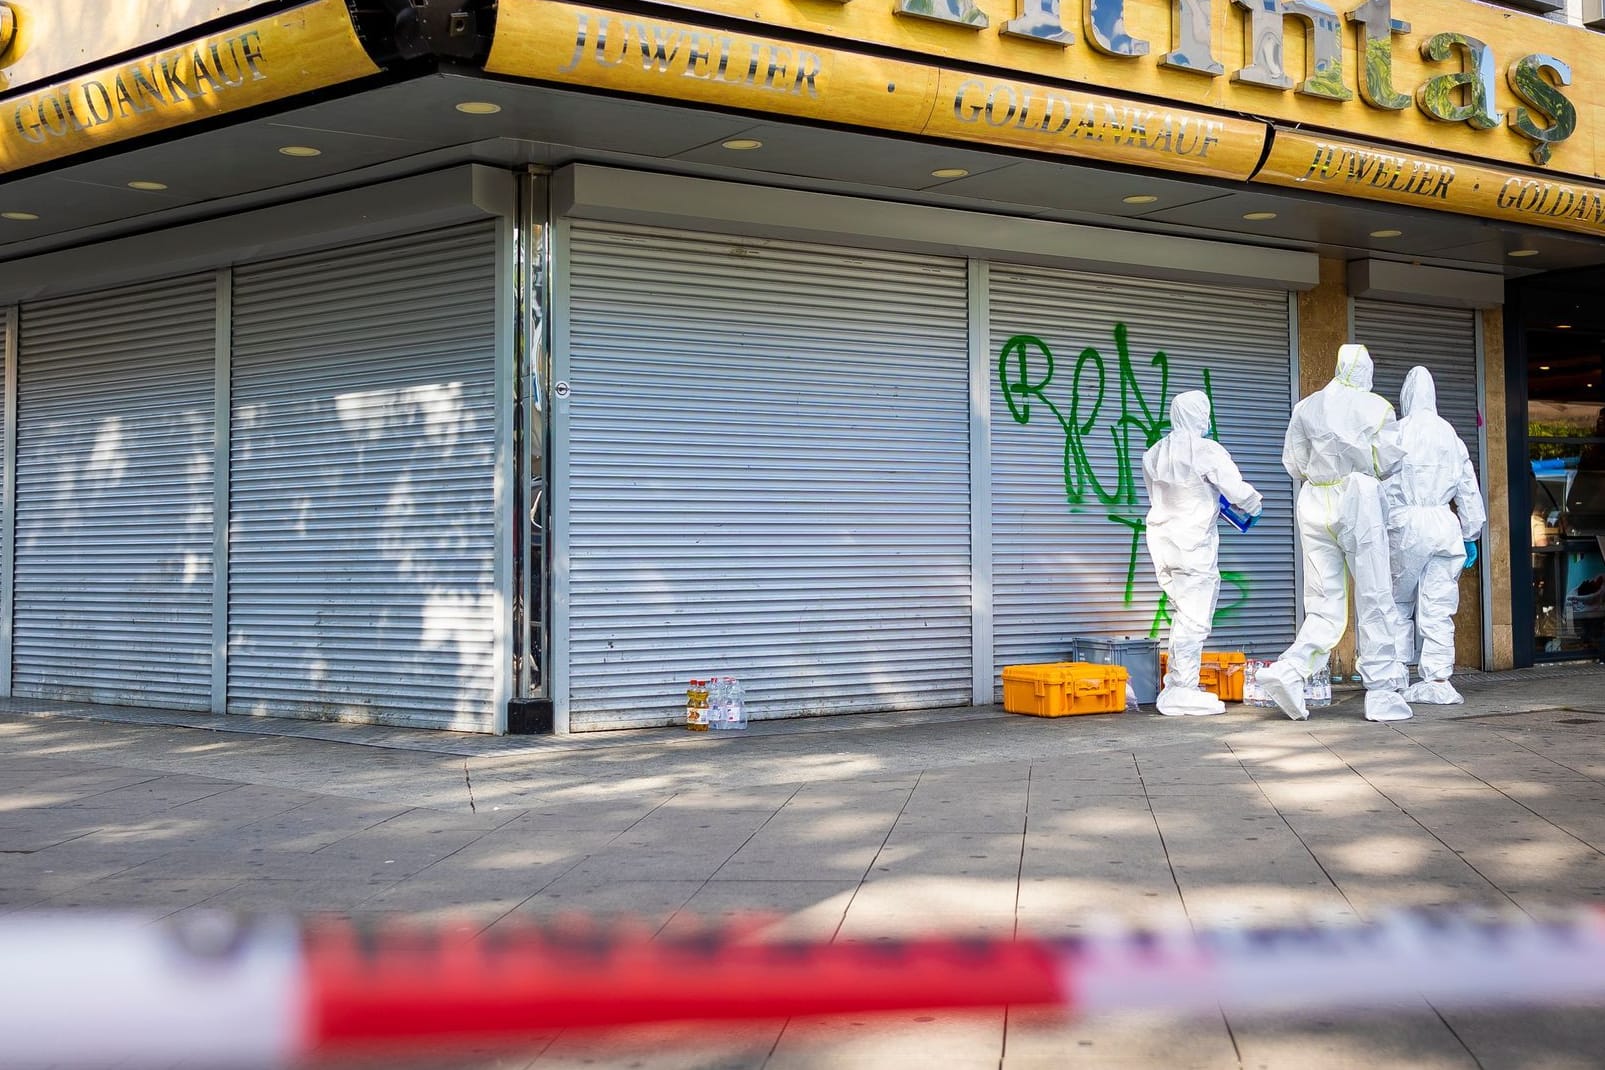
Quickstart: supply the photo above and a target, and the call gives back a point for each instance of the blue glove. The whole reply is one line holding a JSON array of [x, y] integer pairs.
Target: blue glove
[[1471, 553], [1238, 519]]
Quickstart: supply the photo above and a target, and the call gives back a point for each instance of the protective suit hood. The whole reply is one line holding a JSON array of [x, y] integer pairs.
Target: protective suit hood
[[1354, 367], [1189, 413], [1343, 429], [1420, 394], [1187, 473]]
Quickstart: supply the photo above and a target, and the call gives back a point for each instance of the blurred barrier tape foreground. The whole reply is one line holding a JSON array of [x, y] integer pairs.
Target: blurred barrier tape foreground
[[80, 989]]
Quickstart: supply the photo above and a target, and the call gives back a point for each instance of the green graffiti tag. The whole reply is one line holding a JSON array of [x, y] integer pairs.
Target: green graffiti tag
[[1026, 372]]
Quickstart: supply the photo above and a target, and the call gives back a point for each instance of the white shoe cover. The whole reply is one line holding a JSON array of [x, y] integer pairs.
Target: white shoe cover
[[1285, 687], [1386, 706], [1433, 693], [1176, 701]]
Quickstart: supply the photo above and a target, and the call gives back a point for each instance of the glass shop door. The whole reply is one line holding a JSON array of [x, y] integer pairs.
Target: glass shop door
[[1566, 454]]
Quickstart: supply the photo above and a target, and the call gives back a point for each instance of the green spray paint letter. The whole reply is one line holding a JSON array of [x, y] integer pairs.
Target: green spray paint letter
[[1026, 371]]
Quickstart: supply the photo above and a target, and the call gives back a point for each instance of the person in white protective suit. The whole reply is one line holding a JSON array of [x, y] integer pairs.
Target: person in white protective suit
[[1428, 543], [1187, 473], [1341, 443]]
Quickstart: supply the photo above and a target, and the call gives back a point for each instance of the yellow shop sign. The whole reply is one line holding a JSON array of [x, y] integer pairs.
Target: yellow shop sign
[[1307, 161], [1466, 77], [632, 53], [293, 52]]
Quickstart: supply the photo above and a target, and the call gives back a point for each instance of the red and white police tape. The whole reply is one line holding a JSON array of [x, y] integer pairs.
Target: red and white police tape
[[79, 989]]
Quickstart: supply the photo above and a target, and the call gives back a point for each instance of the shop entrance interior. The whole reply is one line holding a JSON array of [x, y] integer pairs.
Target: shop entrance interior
[[1559, 342]]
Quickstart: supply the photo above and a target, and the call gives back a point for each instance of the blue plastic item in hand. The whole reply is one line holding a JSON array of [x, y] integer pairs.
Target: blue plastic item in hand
[[1471, 553], [1236, 517]]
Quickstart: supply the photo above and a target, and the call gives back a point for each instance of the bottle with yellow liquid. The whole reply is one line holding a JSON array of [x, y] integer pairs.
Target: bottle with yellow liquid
[[696, 706]]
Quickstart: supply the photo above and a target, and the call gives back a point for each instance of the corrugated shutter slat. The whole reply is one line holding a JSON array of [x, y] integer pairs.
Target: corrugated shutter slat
[[769, 468], [115, 446], [362, 487]]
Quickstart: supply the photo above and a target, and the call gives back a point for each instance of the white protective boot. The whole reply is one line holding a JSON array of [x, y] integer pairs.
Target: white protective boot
[[1284, 686], [1191, 701], [1386, 706], [1433, 693]]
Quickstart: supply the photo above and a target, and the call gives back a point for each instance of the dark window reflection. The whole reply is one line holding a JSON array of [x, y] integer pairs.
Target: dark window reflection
[[1566, 433]]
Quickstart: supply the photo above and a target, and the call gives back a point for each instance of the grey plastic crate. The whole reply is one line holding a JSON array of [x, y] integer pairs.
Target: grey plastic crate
[[1139, 657]]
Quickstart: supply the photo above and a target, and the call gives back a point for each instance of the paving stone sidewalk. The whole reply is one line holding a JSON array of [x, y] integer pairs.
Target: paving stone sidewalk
[[968, 821]]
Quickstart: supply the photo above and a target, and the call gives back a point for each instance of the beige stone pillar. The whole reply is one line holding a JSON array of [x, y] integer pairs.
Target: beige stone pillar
[[1496, 489]]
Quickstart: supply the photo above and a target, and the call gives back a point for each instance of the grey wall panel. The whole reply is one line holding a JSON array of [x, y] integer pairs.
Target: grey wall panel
[[1068, 495], [1442, 340], [363, 471], [115, 446], [769, 475]]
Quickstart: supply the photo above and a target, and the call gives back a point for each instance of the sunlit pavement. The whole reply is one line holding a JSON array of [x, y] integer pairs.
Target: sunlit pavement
[[969, 820]]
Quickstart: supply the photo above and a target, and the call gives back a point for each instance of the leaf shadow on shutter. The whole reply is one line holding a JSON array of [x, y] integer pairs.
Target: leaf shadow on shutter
[[361, 548]]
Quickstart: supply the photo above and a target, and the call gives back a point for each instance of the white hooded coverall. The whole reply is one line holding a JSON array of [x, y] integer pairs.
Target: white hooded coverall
[[1187, 473], [1341, 442], [1426, 539]]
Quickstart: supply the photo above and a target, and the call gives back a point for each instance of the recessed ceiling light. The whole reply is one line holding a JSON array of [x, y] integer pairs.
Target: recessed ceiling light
[[478, 107], [742, 144], [1543, 367], [1388, 233], [21, 217], [1563, 326], [1140, 198], [300, 150], [949, 172], [1524, 252], [143, 184], [1255, 217]]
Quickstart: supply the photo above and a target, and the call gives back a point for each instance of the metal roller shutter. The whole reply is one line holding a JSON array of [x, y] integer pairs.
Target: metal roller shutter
[[8, 526], [362, 532], [769, 465], [115, 446], [1068, 498], [1442, 340]]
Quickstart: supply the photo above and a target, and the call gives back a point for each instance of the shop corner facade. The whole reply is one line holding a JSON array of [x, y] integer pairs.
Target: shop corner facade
[[498, 367]]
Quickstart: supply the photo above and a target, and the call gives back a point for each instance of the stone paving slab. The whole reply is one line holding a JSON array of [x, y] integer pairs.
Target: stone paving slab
[[865, 827]]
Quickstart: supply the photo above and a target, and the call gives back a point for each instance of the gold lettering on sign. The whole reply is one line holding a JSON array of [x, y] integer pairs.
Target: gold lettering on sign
[[1051, 113], [308, 47], [1551, 200], [1382, 170], [612, 41], [1362, 51], [168, 81]]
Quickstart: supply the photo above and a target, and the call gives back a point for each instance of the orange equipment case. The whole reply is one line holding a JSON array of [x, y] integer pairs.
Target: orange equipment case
[[1064, 687], [1219, 671]]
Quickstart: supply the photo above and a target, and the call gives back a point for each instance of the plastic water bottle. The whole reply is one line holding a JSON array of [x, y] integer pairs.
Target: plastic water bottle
[[727, 707], [696, 706], [1253, 693], [717, 702], [1318, 688]]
